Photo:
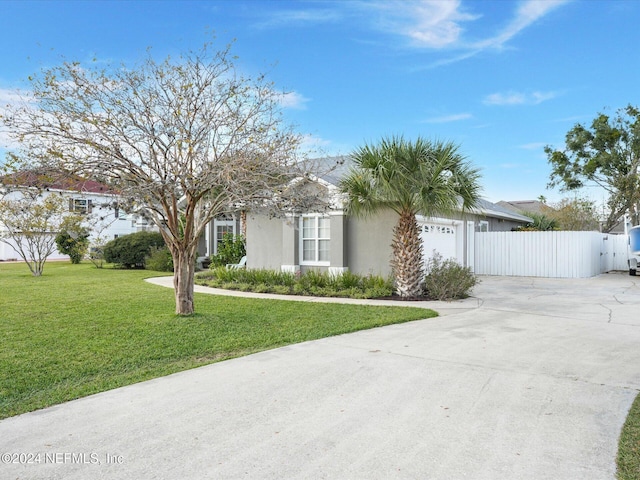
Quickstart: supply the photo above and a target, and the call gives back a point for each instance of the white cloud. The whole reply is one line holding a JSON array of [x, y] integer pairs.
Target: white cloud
[[449, 118], [438, 24], [510, 98], [452, 35], [280, 18], [427, 23], [10, 98], [518, 98], [293, 100], [527, 13], [315, 147]]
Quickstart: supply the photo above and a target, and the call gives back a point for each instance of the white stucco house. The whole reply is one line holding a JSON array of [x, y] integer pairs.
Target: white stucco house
[[85, 197]]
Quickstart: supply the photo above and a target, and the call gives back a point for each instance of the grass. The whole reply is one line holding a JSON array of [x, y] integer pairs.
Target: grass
[[78, 330], [629, 447]]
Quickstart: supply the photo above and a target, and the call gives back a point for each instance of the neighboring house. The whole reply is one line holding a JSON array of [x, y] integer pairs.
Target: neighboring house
[[525, 206], [333, 241], [84, 197]]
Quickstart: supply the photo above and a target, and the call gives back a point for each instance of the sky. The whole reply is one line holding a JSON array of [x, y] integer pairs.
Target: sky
[[500, 78]]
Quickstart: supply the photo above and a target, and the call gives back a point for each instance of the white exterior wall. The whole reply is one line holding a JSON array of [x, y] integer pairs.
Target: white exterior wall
[[102, 214], [548, 254]]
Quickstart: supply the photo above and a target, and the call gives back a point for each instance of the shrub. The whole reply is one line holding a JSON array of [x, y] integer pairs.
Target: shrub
[[311, 283], [159, 259], [540, 223], [73, 239], [447, 279], [130, 251], [230, 250]]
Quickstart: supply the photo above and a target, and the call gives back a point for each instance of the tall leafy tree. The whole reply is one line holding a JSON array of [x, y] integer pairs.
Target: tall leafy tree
[[608, 154], [182, 140], [410, 178], [580, 214]]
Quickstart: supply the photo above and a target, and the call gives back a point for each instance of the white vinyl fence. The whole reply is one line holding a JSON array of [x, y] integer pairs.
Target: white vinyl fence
[[549, 254]]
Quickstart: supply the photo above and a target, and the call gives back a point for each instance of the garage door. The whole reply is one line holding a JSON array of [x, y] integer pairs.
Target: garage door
[[438, 237]]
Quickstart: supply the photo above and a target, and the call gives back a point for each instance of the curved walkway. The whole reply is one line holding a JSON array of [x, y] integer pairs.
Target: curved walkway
[[533, 382], [443, 308]]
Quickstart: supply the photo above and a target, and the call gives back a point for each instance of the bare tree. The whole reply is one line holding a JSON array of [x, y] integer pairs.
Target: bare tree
[[182, 140], [29, 224]]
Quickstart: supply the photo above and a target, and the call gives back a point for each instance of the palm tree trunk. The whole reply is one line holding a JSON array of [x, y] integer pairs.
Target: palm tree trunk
[[407, 263]]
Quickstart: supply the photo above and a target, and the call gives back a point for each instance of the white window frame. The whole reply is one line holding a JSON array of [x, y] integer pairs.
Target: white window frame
[[483, 224], [317, 238], [222, 222], [81, 206]]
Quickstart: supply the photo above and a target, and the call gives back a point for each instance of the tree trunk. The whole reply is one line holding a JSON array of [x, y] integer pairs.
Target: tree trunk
[[407, 262], [184, 269]]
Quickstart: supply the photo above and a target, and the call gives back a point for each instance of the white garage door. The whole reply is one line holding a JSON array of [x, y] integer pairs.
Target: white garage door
[[438, 237]]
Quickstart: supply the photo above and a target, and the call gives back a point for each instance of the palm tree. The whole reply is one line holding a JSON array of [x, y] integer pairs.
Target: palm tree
[[423, 177]]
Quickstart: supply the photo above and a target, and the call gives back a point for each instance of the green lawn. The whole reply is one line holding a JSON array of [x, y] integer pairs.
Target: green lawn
[[78, 330], [629, 446]]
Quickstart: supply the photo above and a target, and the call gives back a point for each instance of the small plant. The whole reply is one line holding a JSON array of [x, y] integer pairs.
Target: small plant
[[447, 279], [321, 284], [159, 259], [96, 255], [230, 250]]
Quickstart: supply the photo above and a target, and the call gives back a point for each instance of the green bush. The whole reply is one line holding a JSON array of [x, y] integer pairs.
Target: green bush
[[131, 251], [73, 239], [320, 284], [159, 259], [447, 279], [540, 223], [230, 250]]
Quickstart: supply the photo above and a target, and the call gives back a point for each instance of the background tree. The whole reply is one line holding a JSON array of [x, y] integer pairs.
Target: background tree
[[410, 178], [578, 214], [542, 222], [73, 238], [182, 140], [607, 154], [30, 226]]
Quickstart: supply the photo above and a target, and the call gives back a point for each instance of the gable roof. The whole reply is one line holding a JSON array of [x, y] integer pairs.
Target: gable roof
[[336, 168], [524, 206], [49, 180], [497, 211]]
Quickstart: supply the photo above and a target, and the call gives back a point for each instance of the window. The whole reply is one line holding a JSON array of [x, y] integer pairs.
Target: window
[[80, 205], [315, 239], [224, 224], [119, 213], [483, 226]]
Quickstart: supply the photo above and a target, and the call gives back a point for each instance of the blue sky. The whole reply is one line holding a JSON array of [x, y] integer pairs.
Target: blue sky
[[500, 78]]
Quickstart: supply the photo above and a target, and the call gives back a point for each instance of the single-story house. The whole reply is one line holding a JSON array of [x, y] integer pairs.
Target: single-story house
[[334, 241]]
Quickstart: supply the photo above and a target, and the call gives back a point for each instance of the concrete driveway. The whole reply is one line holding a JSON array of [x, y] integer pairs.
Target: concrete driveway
[[532, 379]]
